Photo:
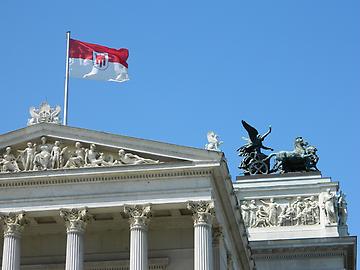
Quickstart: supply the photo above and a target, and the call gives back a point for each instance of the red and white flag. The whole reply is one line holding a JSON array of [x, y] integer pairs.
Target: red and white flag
[[91, 61]]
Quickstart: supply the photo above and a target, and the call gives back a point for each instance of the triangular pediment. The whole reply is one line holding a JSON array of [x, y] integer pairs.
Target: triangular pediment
[[48, 146]]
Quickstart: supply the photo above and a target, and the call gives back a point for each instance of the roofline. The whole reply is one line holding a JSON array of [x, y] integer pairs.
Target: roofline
[[130, 143]]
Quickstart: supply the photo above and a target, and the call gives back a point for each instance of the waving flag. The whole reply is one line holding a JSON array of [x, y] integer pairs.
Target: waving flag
[[91, 61]]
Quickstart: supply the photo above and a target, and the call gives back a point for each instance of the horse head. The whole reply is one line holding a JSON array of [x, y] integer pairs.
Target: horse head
[[300, 145]]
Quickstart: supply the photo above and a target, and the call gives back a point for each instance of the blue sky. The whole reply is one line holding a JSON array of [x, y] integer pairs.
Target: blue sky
[[197, 66]]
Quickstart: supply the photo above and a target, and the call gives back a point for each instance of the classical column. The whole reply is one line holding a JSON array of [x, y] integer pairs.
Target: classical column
[[13, 224], [75, 221], [138, 216], [202, 215], [219, 250]]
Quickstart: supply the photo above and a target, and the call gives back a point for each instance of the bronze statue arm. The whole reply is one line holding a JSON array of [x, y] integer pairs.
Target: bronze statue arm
[[267, 133], [267, 148]]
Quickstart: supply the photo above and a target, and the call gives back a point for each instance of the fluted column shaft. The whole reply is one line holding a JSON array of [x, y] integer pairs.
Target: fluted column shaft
[[11, 253], [138, 248], [74, 251], [202, 215], [202, 247], [75, 221], [138, 217], [13, 227]]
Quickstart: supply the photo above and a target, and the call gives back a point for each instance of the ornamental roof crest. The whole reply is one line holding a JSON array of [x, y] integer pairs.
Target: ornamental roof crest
[[44, 114]]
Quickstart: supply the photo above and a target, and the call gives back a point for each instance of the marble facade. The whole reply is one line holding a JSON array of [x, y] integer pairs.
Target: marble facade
[[139, 205]]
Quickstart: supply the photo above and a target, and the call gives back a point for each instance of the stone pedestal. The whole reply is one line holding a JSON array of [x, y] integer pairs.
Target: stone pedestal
[[75, 221], [13, 227], [202, 215], [138, 217]]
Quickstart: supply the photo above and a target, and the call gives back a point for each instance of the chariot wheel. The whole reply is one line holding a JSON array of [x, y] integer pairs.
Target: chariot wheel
[[258, 167]]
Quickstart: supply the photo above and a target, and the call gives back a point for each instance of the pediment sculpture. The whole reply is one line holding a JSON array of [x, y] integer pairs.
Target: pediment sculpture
[[54, 155]]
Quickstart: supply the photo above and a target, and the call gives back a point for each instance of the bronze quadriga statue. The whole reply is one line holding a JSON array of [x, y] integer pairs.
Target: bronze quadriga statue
[[302, 158]]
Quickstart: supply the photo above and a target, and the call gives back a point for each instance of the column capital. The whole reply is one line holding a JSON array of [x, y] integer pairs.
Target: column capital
[[13, 223], [75, 219], [203, 211], [139, 215]]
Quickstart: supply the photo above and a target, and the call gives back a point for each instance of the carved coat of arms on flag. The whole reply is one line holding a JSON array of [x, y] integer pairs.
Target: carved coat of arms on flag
[[100, 60]]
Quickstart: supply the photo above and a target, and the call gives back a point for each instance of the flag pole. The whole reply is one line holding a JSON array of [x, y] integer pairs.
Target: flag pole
[[66, 89]]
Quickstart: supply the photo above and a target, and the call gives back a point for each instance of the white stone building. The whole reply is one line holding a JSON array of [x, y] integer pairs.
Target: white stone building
[[72, 198], [77, 199]]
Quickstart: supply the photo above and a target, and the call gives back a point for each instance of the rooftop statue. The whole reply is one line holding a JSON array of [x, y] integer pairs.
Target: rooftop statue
[[213, 141], [302, 158], [44, 114], [254, 161]]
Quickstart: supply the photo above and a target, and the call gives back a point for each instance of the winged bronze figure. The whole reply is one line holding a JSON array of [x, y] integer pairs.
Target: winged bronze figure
[[254, 162], [255, 141]]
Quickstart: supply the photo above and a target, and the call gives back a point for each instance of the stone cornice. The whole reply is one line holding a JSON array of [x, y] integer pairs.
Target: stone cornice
[[101, 174], [13, 223]]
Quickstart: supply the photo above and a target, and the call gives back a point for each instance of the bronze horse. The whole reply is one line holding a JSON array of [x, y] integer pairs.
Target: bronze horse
[[302, 158]]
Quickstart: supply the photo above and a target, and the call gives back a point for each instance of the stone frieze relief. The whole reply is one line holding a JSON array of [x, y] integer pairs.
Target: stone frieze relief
[[54, 155], [296, 211]]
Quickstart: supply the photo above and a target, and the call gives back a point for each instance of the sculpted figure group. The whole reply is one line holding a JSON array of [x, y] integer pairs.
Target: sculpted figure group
[[51, 156], [303, 158], [302, 211], [299, 211]]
